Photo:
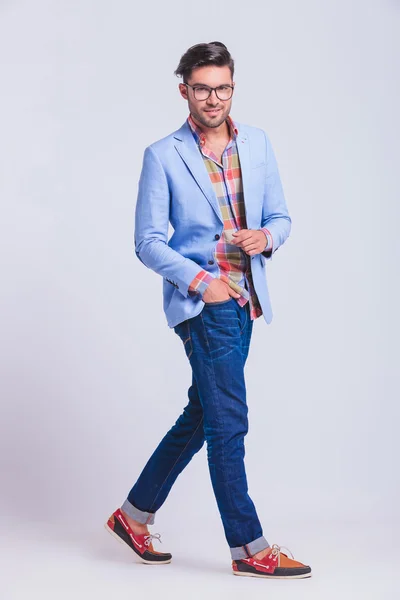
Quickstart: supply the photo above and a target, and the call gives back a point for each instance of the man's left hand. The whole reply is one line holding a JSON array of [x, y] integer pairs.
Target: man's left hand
[[252, 241]]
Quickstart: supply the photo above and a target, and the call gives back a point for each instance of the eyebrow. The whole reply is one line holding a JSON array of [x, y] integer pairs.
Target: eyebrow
[[205, 85]]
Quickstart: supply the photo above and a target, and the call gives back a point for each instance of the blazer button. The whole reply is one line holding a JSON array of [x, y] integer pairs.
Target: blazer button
[[210, 262], [216, 237]]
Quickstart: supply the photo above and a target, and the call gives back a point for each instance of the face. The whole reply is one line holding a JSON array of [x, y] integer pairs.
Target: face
[[202, 110]]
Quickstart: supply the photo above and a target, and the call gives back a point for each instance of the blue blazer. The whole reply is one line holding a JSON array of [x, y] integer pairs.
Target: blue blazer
[[175, 187]]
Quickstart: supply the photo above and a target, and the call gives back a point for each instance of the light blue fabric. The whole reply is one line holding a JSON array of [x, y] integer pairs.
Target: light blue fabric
[[175, 187]]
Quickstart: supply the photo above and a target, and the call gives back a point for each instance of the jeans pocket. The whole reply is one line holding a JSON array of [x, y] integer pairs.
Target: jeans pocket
[[183, 331]]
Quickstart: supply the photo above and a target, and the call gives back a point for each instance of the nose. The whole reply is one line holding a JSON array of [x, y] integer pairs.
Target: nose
[[210, 97]]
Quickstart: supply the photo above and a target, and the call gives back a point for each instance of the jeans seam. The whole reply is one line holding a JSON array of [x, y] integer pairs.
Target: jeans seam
[[189, 338], [218, 404], [172, 468]]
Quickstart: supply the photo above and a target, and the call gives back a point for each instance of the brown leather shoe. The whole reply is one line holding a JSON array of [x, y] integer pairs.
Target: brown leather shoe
[[274, 565]]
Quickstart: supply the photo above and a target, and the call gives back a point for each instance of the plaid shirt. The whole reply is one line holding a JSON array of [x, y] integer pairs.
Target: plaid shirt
[[227, 182]]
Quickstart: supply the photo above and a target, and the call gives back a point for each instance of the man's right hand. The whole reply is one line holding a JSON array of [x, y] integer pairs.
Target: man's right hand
[[219, 290]]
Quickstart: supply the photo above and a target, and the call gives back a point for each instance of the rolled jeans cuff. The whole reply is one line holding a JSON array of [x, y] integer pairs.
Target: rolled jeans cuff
[[249, 549], [142, 516]]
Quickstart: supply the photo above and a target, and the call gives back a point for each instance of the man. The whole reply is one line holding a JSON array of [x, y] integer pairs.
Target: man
[[217, 182]]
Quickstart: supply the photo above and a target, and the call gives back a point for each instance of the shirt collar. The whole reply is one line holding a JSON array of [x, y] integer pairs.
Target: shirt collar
[[200, 136]]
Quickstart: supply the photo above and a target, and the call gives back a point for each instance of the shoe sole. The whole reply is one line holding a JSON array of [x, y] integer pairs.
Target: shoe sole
[[243, 574], [147, 562]]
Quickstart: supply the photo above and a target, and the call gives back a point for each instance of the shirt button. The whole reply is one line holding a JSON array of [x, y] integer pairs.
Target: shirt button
[[210, 262], [216, 237]]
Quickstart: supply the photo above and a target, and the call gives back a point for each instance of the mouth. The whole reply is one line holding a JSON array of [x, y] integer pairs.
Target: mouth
[[213, 111]]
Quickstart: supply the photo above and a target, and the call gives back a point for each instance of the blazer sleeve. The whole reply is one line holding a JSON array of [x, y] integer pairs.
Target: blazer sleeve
[[151, 226], [275, 215]]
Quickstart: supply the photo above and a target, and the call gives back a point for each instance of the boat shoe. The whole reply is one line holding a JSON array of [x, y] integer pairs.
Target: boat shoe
[[274, 565], [141, 544]]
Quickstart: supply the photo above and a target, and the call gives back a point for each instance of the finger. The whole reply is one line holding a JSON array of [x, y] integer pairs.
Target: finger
[[243, 236], [247, 247], [238, 235], [242, 232], [231, 291]]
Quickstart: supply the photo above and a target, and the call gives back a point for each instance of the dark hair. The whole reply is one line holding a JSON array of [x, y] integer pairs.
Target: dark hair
[[201, 55]]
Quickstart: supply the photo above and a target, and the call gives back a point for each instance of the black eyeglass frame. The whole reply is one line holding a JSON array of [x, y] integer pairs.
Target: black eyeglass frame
[[211, 90]]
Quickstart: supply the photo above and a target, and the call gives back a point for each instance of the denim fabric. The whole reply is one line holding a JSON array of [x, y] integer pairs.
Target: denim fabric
[[216, 342]]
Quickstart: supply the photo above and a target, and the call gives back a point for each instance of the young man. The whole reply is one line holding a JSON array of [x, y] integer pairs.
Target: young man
[[217, 182]]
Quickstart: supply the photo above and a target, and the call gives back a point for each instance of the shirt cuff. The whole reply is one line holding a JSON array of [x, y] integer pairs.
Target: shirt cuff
[[269, 245], [200, 283]]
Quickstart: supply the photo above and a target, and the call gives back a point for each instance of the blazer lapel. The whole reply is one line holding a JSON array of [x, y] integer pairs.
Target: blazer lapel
[[243, 149], [191, 155]]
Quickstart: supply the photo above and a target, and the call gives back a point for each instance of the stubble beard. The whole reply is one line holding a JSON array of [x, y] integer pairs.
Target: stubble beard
[[210, 122]]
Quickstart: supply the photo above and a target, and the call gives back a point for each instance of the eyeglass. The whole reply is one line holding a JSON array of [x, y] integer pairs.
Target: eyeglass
[[202, 92]]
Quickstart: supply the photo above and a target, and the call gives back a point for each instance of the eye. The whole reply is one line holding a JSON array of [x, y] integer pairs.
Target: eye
[[201, 88]]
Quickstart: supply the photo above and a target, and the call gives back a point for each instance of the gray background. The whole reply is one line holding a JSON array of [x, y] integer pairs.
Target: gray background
[[91, 375]]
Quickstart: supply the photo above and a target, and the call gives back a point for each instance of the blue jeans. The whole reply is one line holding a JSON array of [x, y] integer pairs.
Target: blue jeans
[[217, 343]]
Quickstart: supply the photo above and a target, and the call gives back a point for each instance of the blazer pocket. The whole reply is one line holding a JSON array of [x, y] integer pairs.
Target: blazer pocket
[[258, 165]]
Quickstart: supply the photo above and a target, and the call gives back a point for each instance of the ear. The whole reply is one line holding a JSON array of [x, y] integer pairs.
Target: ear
[[183, 90]]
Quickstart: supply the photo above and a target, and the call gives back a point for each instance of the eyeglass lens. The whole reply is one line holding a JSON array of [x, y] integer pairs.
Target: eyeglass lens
[[224, 92]]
